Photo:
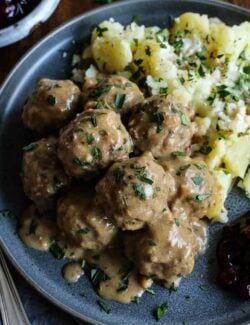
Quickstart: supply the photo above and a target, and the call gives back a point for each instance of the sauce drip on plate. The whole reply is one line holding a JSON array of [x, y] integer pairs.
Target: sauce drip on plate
[[11, 11], [233, 255]]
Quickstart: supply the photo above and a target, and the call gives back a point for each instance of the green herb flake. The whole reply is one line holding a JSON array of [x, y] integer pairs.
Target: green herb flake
[[119, 100], [177, 222], [100, 90], [200, 166], [30, 147], [182, 80], [118, 174], [100, 30], [104, 306], [160, 311], [135, 300], [151, 242], [82, 164], [135, 19], [203, 286], [242, 56], [97, 276], [178, 44], [124, 279], [184, 119], [205, 149], [172, 288], [178, 154], [139, 191], [197, 180], [201, 197], [96, 153], [163, 91], [148, 50], [57, 251], [51, 100], [222, 91], [90, 138], [158, 118], [93, 120], [150, 291], [83, 231], [102, 132], [247, 69], [201, 71]]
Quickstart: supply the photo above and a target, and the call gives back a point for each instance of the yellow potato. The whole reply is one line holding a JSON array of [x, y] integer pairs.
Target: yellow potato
[[214, 158], [237, 155]]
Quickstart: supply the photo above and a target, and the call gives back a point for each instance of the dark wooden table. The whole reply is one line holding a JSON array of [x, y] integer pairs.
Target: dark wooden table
[[67, 9]]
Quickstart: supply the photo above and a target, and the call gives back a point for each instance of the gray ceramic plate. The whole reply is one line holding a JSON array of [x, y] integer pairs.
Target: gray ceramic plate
[[210, 306]]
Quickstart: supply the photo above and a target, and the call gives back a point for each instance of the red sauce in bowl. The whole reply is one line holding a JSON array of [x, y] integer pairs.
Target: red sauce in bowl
[[11, 11], [233, 255]]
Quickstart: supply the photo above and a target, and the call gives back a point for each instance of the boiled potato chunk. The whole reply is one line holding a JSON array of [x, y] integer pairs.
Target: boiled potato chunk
[[245, 184], [237, 155], [218, 211], [213, 159]]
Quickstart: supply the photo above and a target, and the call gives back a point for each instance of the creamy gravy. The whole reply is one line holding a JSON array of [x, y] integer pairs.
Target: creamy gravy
[[72, 272]]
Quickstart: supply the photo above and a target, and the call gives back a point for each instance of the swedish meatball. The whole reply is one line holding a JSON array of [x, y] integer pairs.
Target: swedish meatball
[[92, 141], [42, 174], [194, 186], [112, 92], [165, 250], [161, 126], [82, 222], [134, 192], [51, 106]]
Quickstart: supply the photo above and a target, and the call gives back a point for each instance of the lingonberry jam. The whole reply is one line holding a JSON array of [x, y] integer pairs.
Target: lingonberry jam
[[12, 11], [233, 255]]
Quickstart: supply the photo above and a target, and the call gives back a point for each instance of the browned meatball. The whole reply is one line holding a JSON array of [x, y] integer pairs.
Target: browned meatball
[[165, 250], [52, 105], [193, 186], [134, 192], [42, 174], [92, 141], [82, 222], [161, 126], [112, 92]]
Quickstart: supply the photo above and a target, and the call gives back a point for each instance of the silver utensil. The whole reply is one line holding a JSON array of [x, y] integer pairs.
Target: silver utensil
[[11, 307]]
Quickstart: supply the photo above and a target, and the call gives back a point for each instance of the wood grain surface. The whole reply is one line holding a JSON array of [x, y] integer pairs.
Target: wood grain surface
[[67, 9]]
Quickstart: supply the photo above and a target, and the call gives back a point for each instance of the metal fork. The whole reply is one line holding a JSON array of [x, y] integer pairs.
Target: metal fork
[[12, 309]]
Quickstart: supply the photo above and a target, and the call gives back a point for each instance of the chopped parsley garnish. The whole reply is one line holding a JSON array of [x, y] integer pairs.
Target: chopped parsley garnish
[[201, 54], [118, 174], [158, 118], [102, 132], [119, 100], [83, 231], [242, 56], [51, 100], [90, 138], [100, 90], [100, 30], [160, 311], [163, 91], [172, 288], [96, 153], [182, 168], [222, 91], [247, 69], [141, 174], [182, 80], [200, 166], [178, 153], [82, 164], [139, 191], [99, 104], [201, 71], [135, 300], [151, 242], [201, 197], [177, 222], [97, 276], [57, 251], [197, 180], [30, 147], [150, 291], [93, 120], [178, 44], [104, 306], [7, 214], [136, 19], [124, 280], [148, 50], [184, 119], [203, 286]]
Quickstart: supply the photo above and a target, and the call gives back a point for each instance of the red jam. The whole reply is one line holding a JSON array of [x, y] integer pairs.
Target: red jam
[[11, 11], [233, 255]]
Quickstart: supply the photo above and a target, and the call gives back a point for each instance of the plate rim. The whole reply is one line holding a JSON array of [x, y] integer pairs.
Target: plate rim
[[4, 84]]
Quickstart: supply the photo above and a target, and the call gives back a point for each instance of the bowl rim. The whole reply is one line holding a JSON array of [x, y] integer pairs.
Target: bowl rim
[[10, 255], [24, 26]]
